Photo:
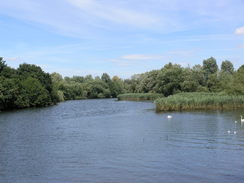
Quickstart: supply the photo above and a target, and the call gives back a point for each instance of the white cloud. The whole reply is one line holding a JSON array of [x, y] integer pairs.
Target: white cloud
[[155, 60], [51, 15], [80, 18], [239, 31], [128, 61], [166, 55], [14, 59], [141, 57], [182, 53], [113, 13], [96, 18]]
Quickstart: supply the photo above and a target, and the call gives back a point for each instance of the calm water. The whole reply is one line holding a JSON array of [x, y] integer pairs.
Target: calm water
[[96, 141]]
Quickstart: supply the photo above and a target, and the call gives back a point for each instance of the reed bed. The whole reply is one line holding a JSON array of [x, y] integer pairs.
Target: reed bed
[[139, 96], [199, 101]]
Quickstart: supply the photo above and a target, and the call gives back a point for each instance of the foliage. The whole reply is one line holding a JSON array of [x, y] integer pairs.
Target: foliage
[[236, 84], [169, 79], [97, 89], [26, 86], [227, 67], [33, 94], [197, 101], [210, 66], [78, 87], [2, 64], [139, 96], [173, 79], [30, 86]]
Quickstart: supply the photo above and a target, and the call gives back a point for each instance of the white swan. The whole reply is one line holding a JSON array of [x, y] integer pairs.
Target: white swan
[[235, 132], [228, 131], [169, 117], [242, 120]]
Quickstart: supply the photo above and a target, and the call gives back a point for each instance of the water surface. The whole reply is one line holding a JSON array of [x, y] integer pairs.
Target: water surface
[[97, 141]]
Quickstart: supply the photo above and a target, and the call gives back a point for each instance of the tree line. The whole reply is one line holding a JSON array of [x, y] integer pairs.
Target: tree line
[[173, 79], [79, 87], [30, 86]]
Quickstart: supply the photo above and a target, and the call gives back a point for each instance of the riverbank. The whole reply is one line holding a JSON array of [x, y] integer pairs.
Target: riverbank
[[139, 96], [199, 101]]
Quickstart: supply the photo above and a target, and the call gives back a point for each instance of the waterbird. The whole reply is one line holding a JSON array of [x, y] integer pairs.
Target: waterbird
[[169, 116], [242, 120], [228, 131], [235, 132]]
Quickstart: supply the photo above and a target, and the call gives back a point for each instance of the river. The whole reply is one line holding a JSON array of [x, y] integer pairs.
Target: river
[[106, 141]]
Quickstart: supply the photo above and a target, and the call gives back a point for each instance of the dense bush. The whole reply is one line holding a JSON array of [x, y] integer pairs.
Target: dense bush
[[78, 87], [27, 86]]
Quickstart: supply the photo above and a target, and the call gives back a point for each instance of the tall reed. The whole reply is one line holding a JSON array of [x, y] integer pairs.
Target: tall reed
[[139, 96], [199, 101]]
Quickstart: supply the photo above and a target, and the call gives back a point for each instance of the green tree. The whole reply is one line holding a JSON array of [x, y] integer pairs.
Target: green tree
[[148, 82], [35, 94], [2, 64], [237, 85], [97, 89], [88, 78], [227, 67], [72, 90], [56, 78], [30, 70], [9, 90], [116, 86], [190, 82], [106, 78], [225, 80], [210, 66], [169, 79], [198, 75], [213, 82], [78, 79]]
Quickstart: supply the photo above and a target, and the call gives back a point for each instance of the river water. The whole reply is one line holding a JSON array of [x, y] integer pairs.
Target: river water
[[106, 141]]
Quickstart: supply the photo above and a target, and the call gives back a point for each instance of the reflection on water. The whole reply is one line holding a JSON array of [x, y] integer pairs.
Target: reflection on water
[[110, 141]]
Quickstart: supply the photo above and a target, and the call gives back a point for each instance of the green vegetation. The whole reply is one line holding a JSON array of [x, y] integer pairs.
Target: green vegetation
[[200, 87], [139, 96], [78, 87], [173, 79], [30, 86], [27, 86], [197, 101]]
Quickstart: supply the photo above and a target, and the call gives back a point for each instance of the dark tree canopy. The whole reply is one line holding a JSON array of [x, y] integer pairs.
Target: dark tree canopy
[[2, 64], [106, 78], [227, 67], [28, 86], [210, 66]]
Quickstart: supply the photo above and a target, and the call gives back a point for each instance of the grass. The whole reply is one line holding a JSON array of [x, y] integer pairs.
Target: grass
[[199, 101], [139, 96]]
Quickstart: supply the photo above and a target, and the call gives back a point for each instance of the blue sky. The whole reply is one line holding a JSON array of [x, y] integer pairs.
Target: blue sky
[[122, 37]]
